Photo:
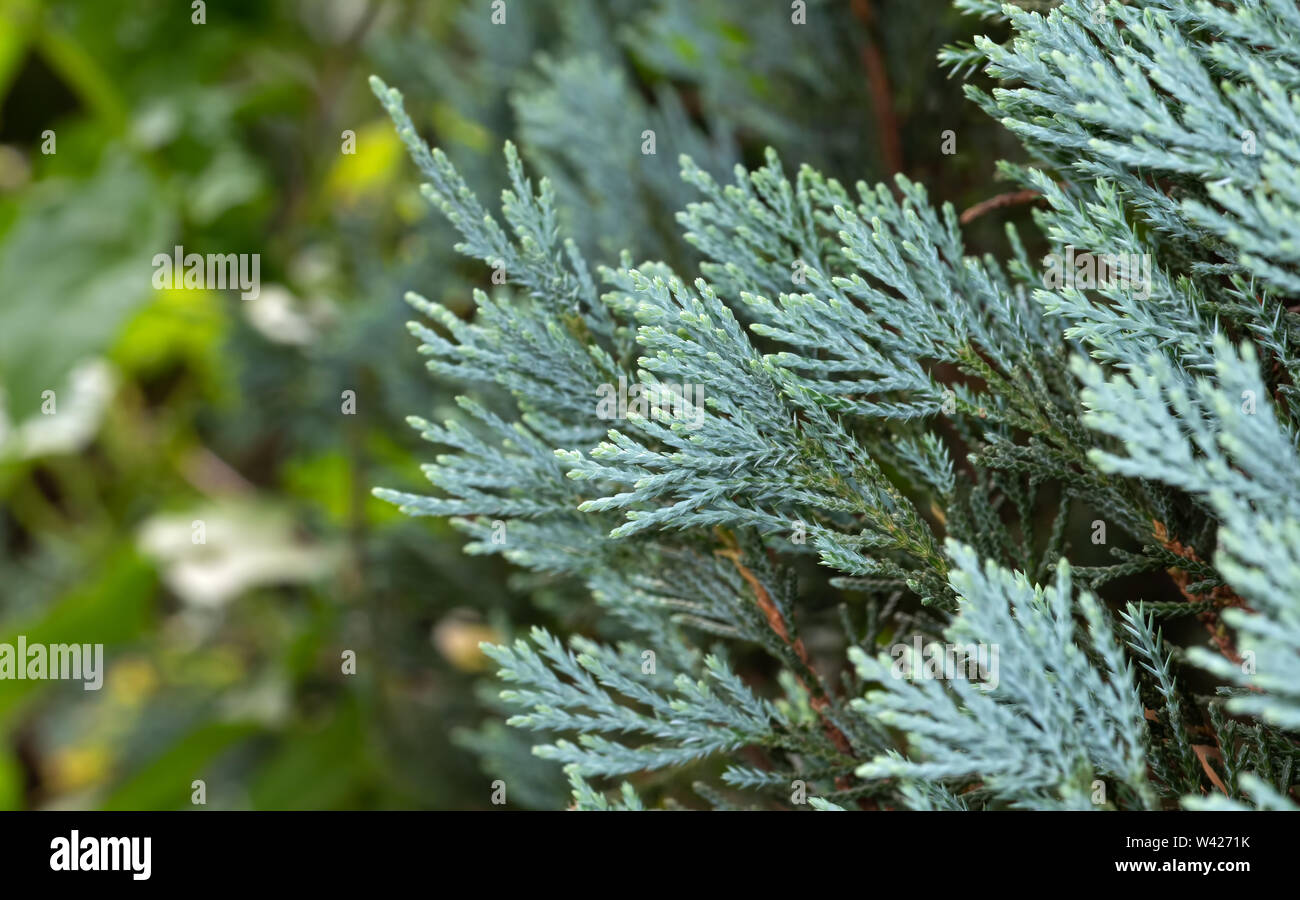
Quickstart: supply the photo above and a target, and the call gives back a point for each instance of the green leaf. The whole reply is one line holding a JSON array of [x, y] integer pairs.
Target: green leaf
[[73, 264], [165, 782]]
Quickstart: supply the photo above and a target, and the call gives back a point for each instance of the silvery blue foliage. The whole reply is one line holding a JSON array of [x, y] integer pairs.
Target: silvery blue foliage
[[1222, 441], [1062, 714], [884, 414]]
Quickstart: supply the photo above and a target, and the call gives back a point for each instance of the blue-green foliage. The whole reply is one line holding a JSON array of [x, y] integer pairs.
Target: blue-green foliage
[[1066, 720], [1221, 441], [870, 390]]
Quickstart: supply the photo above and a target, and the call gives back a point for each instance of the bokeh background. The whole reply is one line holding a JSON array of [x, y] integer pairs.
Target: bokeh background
[[223, 659]]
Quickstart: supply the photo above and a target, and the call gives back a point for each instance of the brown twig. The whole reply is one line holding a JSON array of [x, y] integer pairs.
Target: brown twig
[[1013, 198], [818, 698], [1220, 596], [882, 95], [1203, 752]]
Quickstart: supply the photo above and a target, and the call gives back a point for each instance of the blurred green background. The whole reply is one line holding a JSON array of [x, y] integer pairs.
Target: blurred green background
[[223, 659]]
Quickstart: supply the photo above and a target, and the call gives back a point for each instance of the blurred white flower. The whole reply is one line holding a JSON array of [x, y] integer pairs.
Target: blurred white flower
[[283, 318], [243, 545], [79, 409]]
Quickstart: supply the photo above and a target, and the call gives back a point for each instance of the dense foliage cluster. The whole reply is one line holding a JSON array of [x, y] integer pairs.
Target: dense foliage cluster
[[1079, 471]]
